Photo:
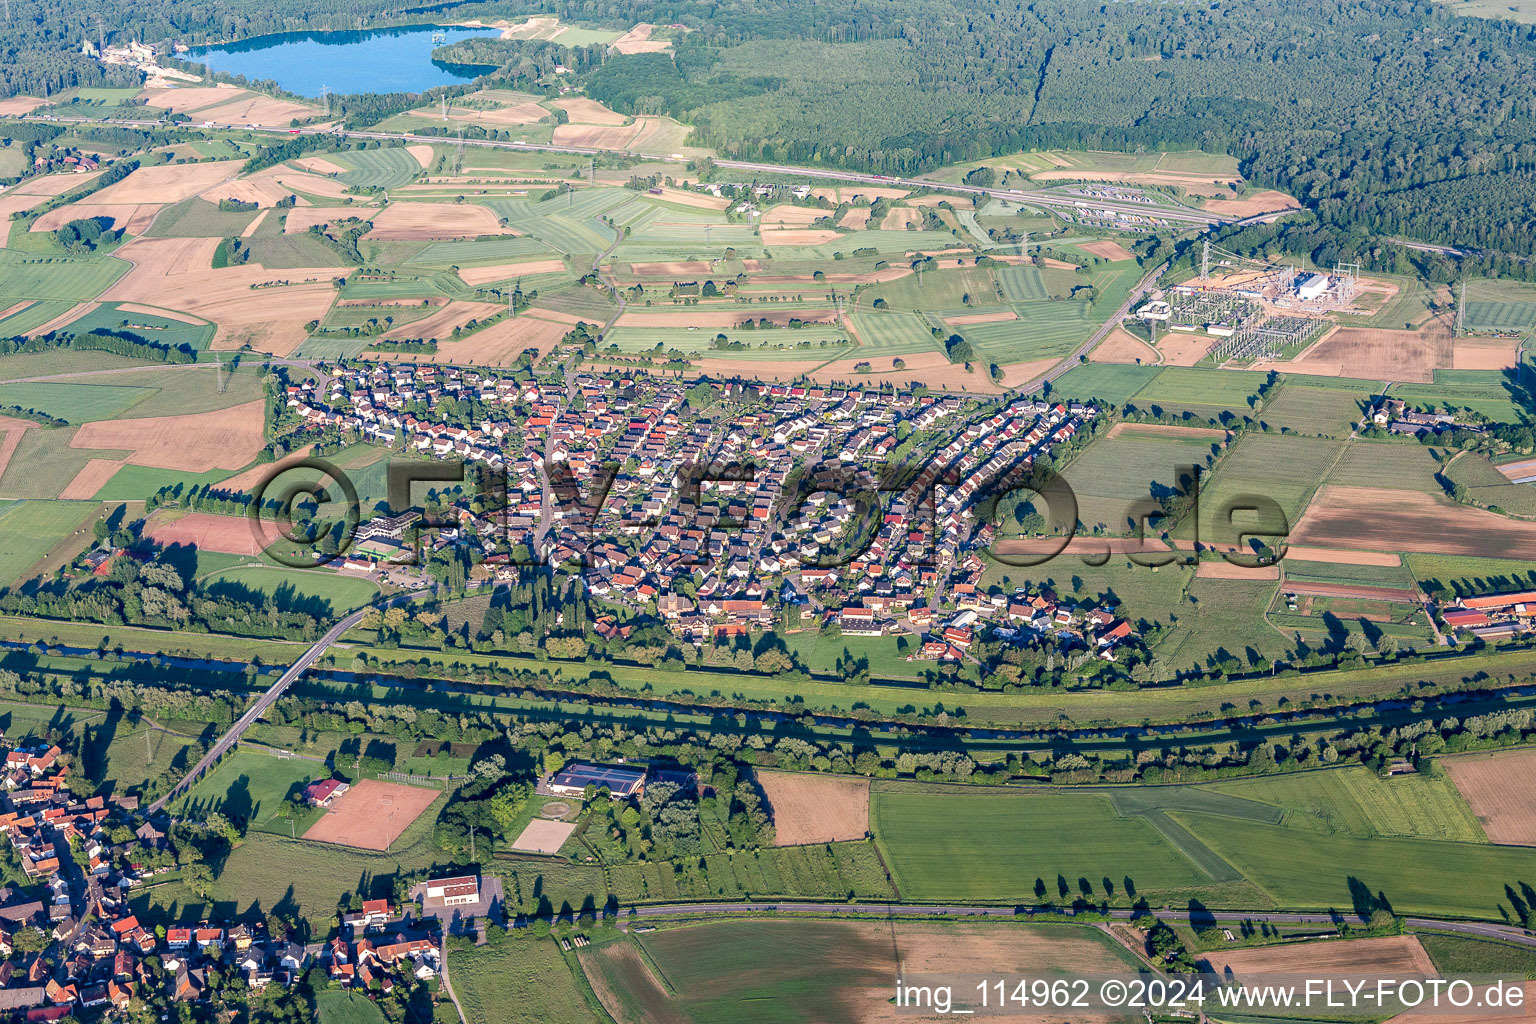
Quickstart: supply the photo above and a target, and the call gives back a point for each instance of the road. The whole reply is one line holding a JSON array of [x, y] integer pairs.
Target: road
[[257, 710], [1035, 197], [1478, 929]]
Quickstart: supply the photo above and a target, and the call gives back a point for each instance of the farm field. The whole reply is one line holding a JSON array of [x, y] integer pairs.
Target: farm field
[[1360, 959], [28, 529], [816, 970], [1495, 785], [815, 809], [518, 977], [1358, 802], [1116, 476]]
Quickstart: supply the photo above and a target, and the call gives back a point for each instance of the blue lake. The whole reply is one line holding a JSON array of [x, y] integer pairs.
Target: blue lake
[[376, 60]]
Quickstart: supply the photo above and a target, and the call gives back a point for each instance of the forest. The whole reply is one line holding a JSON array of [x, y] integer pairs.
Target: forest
[[1383, 116]]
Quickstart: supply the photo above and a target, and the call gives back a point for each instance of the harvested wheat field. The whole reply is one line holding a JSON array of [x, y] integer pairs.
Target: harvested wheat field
[[169, 183], [585, 111], [16, 106], [425, 222], [1339, 556], [798, 236], [1363, 958], [1106, 250], [251, 228], [497, 345], [556, 316], [441, 323], [1498, 788], [262, 188], [477, 276], [53, 185], [593, 136], [318, 165], [996, 316], [931, 368], [1268, 201], [1221, 569], [232, 535], [313, 184], [701, 200], [1165, 430], [638, 40], [250, 304], [1382, 519], [815, 808], [515, 114], [93, 476], [254, 108], [855, 219], [131, 218], [1490, 1017], [1181, 348], [423, 154], [1120, 346], [1485, 353], [13, 430], [1377, 354], [372, 814], [252, 478], [197, 443], [301, 219], [900, 217], [787, 216], [187, 99], [13, 202], [1017, 374], [867, 193], [1040, 549]]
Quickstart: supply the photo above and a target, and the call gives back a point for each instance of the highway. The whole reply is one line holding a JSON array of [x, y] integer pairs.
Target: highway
[[1036, 197], [257, 710]]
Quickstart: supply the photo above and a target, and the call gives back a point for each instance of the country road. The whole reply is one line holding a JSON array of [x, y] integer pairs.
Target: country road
[[1478, 929], [255, 711]]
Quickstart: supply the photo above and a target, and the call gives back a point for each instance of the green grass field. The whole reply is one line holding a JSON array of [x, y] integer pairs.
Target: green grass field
[[815, 341], [28, 529], [892, 334], [1113, 474], [1180, 386], [159, 330], [994, 846], [33, 316], [944, 289], [248, 787], [74, 403], [1488, 392], [1356, 801], [385, 168], [1459, 954], [1284, 468], [1021, 283], [328, 593], [27, 276], [333, 1006], [1307, 410], [198, 218], [1113, 383], [802, 971], [465, 254], [517, 977]]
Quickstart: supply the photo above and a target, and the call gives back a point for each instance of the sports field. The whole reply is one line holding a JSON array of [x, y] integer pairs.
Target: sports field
[[372, 814], [250, 787], [324, 593]]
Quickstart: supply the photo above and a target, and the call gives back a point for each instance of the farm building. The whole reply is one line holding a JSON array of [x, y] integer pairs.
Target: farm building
[[320, 794], [620, 780]]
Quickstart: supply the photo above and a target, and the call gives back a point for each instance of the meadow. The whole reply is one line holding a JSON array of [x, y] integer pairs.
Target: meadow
[[325, 592], [249, 786], [892, 334], [73, 403], [29, 529], [386, 167], [27, 276], [1356, 801], [518, 977], [993, 847], [1113, 474], [334, 1006]]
